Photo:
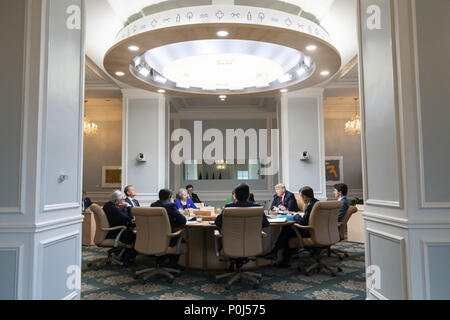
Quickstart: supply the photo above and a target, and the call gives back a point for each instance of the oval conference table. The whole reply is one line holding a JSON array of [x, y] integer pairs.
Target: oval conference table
[[199, 250]]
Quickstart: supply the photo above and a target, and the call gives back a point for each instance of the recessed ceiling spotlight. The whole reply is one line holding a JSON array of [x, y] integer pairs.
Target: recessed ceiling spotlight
[[222, 33], [222, 97], [120, 73], [283, 90], [161, 91], [133, 48], [311, 47], [325, 73]]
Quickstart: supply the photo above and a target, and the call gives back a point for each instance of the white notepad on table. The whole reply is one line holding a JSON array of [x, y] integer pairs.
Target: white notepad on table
[[277, 220]]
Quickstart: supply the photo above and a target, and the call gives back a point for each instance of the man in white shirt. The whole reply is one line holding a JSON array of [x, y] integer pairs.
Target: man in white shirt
[[130, 193]]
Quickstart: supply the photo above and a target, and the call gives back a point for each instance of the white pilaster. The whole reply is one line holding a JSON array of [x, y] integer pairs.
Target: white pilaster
[[407, 218], [302, 130], [40, 210], [145, 130]]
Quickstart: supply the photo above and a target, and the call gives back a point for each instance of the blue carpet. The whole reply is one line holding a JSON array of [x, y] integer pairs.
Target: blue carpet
[[116, 283]]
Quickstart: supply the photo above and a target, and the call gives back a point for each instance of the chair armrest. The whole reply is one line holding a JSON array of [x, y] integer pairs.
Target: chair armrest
[[117, 239], [178, 234], [298, 226], [218, 237], [263, 234], [115, 228], [175, 234]]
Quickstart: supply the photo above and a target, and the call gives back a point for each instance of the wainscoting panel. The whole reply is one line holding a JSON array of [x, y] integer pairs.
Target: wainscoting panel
[[10, 263], [57, 255], [437, 266], [387, 251]]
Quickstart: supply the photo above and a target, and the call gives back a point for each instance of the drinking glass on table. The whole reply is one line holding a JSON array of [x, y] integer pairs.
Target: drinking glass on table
[[199, 219]]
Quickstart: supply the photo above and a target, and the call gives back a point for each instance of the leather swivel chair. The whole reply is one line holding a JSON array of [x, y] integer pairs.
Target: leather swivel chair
[[323, 232], [153, 237], [342, 225], [101, 231], [242, 241]]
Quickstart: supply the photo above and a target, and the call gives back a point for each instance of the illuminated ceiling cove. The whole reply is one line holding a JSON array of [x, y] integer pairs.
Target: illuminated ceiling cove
[[222, 49]]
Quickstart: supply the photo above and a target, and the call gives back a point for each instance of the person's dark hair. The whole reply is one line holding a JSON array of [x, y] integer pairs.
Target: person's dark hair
[[308, 192], [189, 186], [251, 198], [126, 190], [341, 187], [242, 192], [165, 194]]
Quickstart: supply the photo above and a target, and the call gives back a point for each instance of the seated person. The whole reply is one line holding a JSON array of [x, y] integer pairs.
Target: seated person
[[192, 195], [118, 213], [130, 193], [183, 202], [284, 200], [287, 232], [175, 218], [251, 198], [340, 192], [242, 193], [230, 199], [85, 202]]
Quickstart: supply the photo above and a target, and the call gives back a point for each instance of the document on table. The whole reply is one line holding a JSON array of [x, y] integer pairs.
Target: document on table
[[277, 220], [192, 222]]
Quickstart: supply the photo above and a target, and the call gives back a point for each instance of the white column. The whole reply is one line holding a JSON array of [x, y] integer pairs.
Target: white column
[[42, 90], [404, 72], [302, 130], [145, 130]]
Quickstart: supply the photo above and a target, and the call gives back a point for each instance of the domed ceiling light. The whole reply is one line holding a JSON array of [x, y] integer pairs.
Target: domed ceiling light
[[184, 51]]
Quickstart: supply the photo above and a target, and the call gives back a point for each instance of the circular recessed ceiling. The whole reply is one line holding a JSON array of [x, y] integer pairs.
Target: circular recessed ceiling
[[189, 57]]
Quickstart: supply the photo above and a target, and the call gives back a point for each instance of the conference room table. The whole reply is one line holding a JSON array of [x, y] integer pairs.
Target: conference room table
[[198, 252]]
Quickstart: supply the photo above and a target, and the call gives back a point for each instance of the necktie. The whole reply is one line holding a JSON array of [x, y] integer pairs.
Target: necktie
[[135, 203]]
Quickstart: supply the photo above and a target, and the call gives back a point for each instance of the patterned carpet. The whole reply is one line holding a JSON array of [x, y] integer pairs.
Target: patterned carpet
[[116, 283]]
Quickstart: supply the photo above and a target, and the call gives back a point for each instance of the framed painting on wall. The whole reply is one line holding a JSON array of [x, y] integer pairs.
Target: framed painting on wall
[[334, 170], [111, 176]]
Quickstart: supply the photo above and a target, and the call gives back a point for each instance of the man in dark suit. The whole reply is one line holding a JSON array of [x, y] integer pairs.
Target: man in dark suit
[[85, 202], [176, 219], [130, 193], [242, 193], [307, 195], [284, 200], [118, 213], [340, 192], [192, 195]]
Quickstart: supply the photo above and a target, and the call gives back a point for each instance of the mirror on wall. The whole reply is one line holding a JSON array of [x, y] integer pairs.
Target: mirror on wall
[[222, 170]]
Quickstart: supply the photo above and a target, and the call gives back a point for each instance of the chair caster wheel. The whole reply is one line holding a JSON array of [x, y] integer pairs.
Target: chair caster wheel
[[170, 281], [228, 287], [307, 274], [341, 258], [256, 286], [96, 268], [339, 269], [143, 282], [333, 275], [137, 277], [346, 255], [89, 265]]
